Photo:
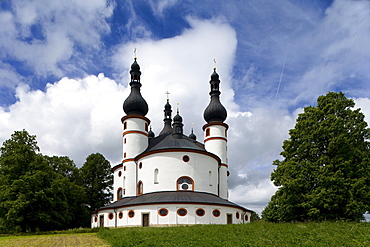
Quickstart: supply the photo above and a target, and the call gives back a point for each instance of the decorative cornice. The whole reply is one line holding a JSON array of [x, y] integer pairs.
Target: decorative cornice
[[135, 132], [215, 123], [135, 116], [216, 138], [166, 150]]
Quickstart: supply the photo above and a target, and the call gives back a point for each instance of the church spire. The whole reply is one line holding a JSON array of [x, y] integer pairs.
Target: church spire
[[167, 118], [135, 104], [177, 126], [215, 111]]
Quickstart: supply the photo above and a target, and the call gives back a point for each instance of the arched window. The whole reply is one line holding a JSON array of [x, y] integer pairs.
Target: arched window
[[146, 127], [119, 194], [210, 178], [156, 171], [139, 188], [185, 183], [125, 125]]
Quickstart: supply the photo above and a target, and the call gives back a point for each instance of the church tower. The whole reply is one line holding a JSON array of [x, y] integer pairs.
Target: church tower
[[215, 132], [135, 133]]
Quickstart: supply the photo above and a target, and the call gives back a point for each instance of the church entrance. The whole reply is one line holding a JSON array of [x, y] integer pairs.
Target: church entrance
[[229, 218], [145, 220], [101, 221]]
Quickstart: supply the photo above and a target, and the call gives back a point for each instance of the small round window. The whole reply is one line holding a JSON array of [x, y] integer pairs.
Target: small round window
[[200, 212], [162, 212], [237, 215], [182, 211], [110, 216], [120, 215], [185, 158], [216, 213], [131, 213]]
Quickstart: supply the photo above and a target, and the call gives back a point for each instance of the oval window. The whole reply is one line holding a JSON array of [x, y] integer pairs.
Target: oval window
[[200, 212], [110, 216], [237, 215], [216, 213], [131, 213], [120, 215], [162, 212], [182, 211], [185, 158]]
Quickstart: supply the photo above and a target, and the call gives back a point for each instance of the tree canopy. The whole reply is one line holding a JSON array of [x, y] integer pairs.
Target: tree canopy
[[325, 173], [98, 180], [40, 193]]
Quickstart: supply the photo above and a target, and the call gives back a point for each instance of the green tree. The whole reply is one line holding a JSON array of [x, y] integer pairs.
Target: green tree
[[37, 192], [325, 173], [98, 180]]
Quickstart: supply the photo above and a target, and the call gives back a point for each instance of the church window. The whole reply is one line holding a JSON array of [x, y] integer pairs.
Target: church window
[[124, 140], [146, 127], [131, 213], [185, 183], [182, 211], [119, 194], [124, 155], [139, 188], [163, 212], [124, 168], [119, 174], [185, 158], [208, 132], [225, 133], [216, 213], [200, 212], [110, 216], [246, 217], [120, 215], [156, 171], [237, 215], [125, 125], [210, 178], [140, 165], [96, 219]]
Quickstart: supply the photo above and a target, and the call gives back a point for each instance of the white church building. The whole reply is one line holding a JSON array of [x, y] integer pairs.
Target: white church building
[[171, 179]]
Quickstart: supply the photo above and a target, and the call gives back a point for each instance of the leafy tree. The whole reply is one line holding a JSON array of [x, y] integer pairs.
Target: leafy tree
[[98, 180], [325, 173], [38, 192]]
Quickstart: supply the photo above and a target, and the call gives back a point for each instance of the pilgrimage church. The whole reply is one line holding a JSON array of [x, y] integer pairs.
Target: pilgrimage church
[[171, 179]]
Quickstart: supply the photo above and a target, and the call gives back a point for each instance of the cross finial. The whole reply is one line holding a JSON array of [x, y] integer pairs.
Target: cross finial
[[135, 52], [168, 95], [214, 61]]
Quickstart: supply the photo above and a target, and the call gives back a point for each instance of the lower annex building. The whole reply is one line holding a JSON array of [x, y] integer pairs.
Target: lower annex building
[[171, 179]]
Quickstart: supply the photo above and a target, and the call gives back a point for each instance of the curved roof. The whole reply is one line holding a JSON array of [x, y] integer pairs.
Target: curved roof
[[173, 197], [167, 141]]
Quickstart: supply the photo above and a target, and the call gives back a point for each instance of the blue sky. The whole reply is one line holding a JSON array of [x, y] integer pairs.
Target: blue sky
[[64, 71]]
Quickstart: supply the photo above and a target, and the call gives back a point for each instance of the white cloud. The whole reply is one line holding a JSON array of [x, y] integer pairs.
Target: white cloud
[[72, 117], [60, 25]]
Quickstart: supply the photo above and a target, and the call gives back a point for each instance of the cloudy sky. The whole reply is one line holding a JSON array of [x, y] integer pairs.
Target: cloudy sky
[[64, 71]]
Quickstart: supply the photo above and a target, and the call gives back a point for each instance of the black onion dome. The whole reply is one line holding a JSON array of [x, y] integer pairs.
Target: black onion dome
[[177, 118], [215, 111], [192, 136], [177, 126], [135, 104], [151, 133], [167, 119]]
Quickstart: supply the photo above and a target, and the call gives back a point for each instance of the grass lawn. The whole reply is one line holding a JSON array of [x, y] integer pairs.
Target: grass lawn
[[58, 240], [254, 234]]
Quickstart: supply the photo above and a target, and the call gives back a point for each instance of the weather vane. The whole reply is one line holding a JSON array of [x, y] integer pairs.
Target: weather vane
[[135, 52], [214, 61]]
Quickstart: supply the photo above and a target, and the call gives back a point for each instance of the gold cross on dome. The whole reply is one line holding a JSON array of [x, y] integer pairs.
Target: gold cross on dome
[[168, 94]]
